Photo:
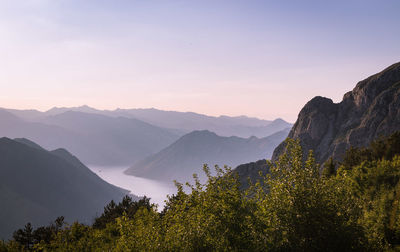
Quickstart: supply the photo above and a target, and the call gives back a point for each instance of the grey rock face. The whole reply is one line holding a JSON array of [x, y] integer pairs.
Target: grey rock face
[[372, 109], [252, 171]]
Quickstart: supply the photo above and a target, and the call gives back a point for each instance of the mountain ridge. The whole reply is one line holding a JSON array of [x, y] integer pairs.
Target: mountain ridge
[[188, 154], [95, 139], [182, 122], [370, 110], [43, 185]]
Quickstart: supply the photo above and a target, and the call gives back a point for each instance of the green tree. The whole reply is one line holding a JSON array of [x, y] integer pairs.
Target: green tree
[[304, 211], [142, 233], [25, 236], [113, 211], [329, 168], [214, 216], [377, 184]]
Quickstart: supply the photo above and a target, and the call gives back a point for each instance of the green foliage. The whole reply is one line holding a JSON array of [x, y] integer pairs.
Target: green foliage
[[80, 237], [377, 183], [329, 168], [382, 148], [27, 238], [374, 174], [11, 246], [113, 211], [143, 233], [305, 211], [296, 208], [213, 216], [3, 246]]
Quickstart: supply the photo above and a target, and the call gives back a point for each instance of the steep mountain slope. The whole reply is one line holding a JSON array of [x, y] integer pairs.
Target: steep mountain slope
[[372, 109], [251, 171], [37, 186], [187, 155], [95, 139]]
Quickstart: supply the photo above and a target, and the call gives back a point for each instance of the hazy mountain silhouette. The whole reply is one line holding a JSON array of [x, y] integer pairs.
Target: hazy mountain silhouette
[[95, 139], [84, 109], [37, 186], [28, 114], [241, 126], [117, 140], [48, 136], [188, 154], [181, 122]]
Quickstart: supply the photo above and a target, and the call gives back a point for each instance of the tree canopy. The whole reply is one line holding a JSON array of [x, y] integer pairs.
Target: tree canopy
[[351, 205]]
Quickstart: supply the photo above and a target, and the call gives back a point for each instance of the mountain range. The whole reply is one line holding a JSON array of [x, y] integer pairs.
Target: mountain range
[[37, 186], [119, 138], [189, 153], [182, 122], [94, 139], [241, 126]]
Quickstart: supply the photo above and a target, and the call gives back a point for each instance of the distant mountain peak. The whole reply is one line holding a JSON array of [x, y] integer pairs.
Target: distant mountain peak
[[202, 133], [281, 121], [189, 153], [83, 108]]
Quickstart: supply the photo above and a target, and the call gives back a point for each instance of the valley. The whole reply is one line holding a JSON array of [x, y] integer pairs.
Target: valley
[[199, 126], [157, 191]]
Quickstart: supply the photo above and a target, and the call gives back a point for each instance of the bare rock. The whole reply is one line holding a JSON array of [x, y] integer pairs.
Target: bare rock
[[370, 110]]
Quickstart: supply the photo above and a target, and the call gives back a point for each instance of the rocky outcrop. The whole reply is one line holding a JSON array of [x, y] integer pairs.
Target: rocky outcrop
[[370, 110], [254, 171]]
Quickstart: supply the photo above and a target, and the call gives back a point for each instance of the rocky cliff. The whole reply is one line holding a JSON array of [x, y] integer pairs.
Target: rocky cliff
[[370, 110]]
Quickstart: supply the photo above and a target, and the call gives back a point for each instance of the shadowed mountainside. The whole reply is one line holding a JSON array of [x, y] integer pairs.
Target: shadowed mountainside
[[37, 186]]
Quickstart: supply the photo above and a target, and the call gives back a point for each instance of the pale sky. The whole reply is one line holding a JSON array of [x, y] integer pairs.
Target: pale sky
[[231, 57]]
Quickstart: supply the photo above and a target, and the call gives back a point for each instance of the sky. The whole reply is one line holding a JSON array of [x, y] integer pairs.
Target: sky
[[233, 57]]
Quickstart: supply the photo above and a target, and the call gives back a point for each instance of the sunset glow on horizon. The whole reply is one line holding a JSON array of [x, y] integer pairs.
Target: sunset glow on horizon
[[263, 59]]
